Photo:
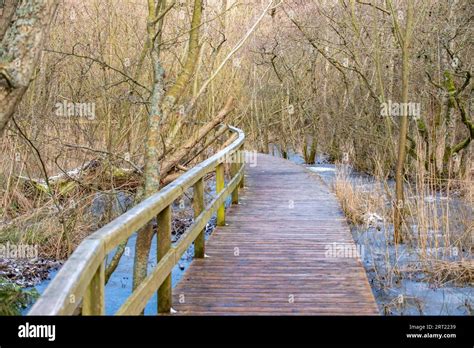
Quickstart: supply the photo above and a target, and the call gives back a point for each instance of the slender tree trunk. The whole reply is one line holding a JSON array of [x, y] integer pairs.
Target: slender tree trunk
[[404, 40], [152, 145], [161, 105]]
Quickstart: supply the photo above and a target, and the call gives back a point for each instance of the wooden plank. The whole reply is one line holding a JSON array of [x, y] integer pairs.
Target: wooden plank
[[271, 257], [139, 298], [241, 151]]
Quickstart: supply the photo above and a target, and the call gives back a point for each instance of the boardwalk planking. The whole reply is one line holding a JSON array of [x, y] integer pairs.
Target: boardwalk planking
[[270, 257]]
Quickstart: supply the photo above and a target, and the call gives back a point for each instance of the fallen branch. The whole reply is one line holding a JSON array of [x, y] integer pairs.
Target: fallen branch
[[181, 153], [73, 173]]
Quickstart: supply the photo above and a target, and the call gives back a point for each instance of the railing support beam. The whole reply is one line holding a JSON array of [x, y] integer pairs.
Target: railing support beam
[[234, 169], [198, 204], [220, 183], [241, 150], [93, 302], [163, 245]]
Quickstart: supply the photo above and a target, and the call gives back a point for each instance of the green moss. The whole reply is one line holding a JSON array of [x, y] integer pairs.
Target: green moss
[[10, 234], [31, 234], [13, 298]]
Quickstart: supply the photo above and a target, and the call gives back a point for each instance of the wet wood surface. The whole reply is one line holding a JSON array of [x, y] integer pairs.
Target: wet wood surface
[[276, 254]]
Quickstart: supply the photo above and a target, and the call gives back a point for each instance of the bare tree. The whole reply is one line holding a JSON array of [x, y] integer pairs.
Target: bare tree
[[404, 40], [160, 107]]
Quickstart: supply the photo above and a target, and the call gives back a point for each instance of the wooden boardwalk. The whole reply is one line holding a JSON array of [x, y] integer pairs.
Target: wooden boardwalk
[[272, 256]]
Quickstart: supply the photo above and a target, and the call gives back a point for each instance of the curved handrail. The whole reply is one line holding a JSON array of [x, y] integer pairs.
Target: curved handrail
[[82, 276]]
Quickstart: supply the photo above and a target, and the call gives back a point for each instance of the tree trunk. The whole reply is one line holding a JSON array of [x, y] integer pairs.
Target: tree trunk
[[152, 145], [160, 109], [24, 27], [400, 170]]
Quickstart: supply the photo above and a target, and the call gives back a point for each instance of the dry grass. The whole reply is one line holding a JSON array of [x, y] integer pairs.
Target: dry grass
[[455, 272], [356, 202], [352, 202], [438, 227], [56, 232]]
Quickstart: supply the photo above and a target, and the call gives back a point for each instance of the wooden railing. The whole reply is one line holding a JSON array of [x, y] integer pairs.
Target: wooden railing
[[82, 278]]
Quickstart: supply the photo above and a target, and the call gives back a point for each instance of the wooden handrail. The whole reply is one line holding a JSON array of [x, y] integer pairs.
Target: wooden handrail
[[82, 276]]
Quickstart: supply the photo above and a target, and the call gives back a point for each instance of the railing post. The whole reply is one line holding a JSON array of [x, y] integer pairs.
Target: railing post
[[234, 169], [198, 204], [93, 302], [242, 155], [220, 183], [163, 245]]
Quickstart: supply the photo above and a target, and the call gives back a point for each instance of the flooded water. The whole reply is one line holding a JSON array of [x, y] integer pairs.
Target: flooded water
[[410, 293], [119, 286]]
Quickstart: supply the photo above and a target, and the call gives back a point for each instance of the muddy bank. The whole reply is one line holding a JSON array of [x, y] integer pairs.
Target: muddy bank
[[25, 272]]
